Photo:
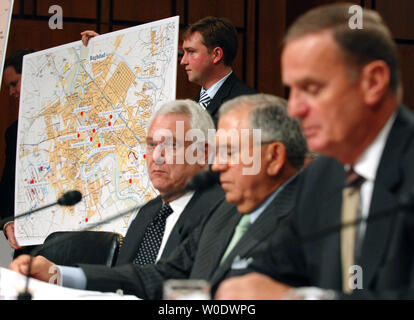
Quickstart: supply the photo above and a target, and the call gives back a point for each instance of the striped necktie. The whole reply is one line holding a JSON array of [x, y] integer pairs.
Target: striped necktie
[[204, 99], [350, 208]]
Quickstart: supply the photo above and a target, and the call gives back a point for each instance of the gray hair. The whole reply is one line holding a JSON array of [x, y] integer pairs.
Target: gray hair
[[199, 118], [269, 114]]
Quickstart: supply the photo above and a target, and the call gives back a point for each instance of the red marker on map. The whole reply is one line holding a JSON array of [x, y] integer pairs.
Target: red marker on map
[[81, 113], [78, 135], [130, 180], [145, 156], [93, 130], [109, 123], [91, 138]]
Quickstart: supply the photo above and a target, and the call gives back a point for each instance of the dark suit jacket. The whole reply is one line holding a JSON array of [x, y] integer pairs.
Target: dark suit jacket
[[8, 177], [199, 206], [387, 256], [231, 88], [198, 257]]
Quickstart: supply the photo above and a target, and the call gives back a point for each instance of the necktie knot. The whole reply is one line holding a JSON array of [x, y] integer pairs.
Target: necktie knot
[[204, 99], [244, 223], [353, 179], [239, 231], [165, 211]]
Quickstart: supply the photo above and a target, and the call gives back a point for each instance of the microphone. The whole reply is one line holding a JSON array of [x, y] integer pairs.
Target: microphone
[[69, 198], [202, 181], [405, 202]]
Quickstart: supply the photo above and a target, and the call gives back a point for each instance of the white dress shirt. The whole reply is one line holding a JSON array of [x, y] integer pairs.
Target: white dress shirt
[[178, 206], [215, 87], [74, 277], [366, 166]]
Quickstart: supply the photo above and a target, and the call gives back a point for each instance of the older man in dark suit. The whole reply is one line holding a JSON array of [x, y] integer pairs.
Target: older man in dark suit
[[187, 208], [345, 90], [259, 154]]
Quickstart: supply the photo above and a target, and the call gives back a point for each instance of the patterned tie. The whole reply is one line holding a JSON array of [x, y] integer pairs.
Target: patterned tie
[[240, 230], [151, 242], [204, 99], [350, 208]]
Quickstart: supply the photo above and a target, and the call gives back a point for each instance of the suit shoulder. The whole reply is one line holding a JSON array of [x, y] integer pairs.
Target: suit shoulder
[[239, 87], [154, 203]]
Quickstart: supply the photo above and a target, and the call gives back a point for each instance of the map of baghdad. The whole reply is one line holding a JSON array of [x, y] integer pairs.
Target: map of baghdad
[[82, 124]]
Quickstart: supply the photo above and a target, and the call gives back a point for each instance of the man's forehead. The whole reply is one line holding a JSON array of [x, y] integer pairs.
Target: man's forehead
[[171, 122], [193, 38], [307, 52], [10, 75]]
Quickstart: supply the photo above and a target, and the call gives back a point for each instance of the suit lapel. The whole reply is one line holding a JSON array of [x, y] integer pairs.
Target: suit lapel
[[329, 276], [221, 94], [260, 230], [200, 204], [384, 198], [218, 236], [137, 230]]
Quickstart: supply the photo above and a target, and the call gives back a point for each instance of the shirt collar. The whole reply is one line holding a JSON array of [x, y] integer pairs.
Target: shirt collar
[[215, 87], [368, 162], [179, 204], [254, 215]]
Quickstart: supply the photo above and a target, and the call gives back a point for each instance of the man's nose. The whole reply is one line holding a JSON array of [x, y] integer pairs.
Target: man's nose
[[297, 105], [184, 59], [158, 154], [219, 164]]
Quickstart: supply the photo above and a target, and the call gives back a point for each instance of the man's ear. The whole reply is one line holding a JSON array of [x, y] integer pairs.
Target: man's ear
[[375, 81], [275, 158], [218, 55]]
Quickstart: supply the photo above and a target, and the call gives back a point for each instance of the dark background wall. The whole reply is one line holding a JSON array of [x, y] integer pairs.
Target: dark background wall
[[261, 25]]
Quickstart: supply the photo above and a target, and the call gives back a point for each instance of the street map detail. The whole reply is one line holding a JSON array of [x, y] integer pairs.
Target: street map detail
[[83, 117]]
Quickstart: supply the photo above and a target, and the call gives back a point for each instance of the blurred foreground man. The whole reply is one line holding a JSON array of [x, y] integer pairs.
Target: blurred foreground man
[[345, 90], [259, 154]]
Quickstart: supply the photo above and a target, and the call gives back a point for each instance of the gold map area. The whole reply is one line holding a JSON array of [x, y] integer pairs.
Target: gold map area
[[91, 123]]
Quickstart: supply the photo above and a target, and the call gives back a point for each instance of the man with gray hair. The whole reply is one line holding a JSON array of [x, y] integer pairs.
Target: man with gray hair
[[239, 228], [164, 222], [345, 90]]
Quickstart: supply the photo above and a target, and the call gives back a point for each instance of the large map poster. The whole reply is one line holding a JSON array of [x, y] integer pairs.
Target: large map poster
[[6, 8], [83, 117]]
